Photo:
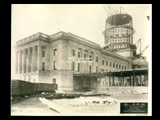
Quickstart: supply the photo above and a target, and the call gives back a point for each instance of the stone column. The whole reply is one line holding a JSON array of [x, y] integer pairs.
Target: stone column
[[29, 66], [20, 61], [36, 57], [76, 56], [24, 61], [31, 52], [33, 58], [27, 60], [39, 58], [17, 62]]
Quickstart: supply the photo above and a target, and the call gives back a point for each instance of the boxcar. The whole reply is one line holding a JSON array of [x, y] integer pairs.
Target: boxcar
[[46, 87], [22, 88]]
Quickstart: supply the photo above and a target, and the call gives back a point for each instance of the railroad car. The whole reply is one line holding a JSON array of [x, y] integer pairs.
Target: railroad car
[[20, 88], [46, 87]]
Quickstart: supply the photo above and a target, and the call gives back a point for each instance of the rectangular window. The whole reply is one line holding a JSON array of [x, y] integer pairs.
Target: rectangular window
[[43, 66], [96, 59], [85, 56], [116, 65], [90, 58], [54, 65], [110, 64], [73, 52], [113, 65], [73, 64], [78, 67], [43, 53], [122, 67], [55, 52], [125, 67], [119, 66], [102, 62], [106, 63], [79, 55]]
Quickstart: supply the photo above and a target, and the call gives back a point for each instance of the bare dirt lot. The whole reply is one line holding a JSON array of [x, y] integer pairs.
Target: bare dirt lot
[[80, 106]]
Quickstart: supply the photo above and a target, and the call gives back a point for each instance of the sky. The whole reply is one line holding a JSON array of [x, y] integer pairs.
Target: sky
[[84, 20]]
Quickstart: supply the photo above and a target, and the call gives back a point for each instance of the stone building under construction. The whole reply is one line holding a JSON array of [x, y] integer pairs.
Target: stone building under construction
[[75, 63]]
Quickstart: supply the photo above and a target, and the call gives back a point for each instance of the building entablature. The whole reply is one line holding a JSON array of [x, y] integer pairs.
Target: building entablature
[[75, 38], [34, 37], [69, 36], [115, 55]]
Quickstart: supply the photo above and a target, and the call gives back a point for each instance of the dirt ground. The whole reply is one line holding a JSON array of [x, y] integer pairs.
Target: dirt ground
[[31, 107], [80, 106]]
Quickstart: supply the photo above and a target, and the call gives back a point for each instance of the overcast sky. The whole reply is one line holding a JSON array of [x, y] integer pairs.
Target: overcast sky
[[84, 20]]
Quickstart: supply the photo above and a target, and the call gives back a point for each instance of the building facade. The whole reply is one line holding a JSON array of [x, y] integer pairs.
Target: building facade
[[55, 58]]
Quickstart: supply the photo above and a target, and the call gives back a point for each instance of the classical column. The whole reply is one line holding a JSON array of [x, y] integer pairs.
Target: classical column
[[39, 59], [36, 58], [29, 61], [82, 60], [33, 58], [21, 61], [87, 65], [31, 52], [17, 62], [24, 61]]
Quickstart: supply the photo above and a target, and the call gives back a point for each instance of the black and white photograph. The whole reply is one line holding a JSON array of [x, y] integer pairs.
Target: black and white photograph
[[81, 60]]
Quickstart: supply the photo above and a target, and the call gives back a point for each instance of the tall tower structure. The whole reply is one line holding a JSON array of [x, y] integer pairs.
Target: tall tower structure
[[118, 34]]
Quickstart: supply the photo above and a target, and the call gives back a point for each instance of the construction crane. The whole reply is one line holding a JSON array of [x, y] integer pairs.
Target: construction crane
[[141, 52]]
